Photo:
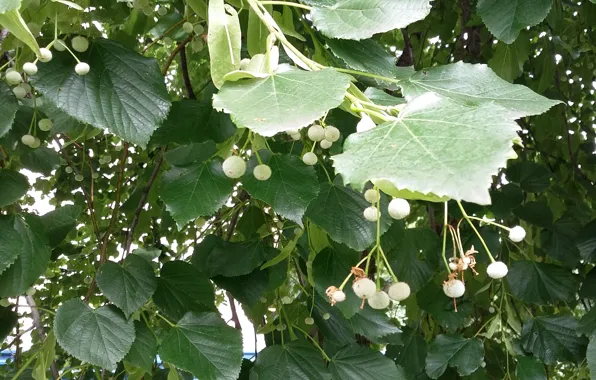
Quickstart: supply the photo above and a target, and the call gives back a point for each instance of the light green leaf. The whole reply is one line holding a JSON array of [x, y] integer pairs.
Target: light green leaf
[[204, 345], [454, 351], [298, 360], [9, 5], [101, 337], [541, 283], [69, 4], [358, 19], [14, 186], [506, 18], [15, 24], [422, 150], [508, 60], [285, 21], [199, 6], [223, 39], [10, 105], [283, 254], [382, 98], [289, 190], [288, 100], [189, 154], [128, 286], [144, 348], [257, 32], [59, 222], [41, 160], [196, 190], [389, 189], [45, 357], [356, 362], [528, 368], [554, 339], [123, 92], [10, 242], [475, 84]]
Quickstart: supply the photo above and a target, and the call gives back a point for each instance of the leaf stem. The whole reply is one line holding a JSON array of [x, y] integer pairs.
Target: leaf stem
[[445, 230], [365, 74], [387, 265], [166, 320], [290, 4], [315, 343], [490, 222], [357, 265], [467, 218]]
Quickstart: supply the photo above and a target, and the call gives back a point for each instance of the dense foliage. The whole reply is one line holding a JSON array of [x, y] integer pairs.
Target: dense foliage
[[389, 189]]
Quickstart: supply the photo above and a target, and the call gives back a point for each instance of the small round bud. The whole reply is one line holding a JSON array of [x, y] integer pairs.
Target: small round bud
[[316, 133], [187, 27], [31, 291], [454, 288], [325, 144], [30, 68], [379, 301], [4, 302], [281, 327], [326, 316], [371, 195], [95, 175], [497, 270], [79, 178], [339, 296], [68, 170], [28, 140], [332, 134], [398, 208], [262, 172], [491, 310], [36, 143], [263, 300], [13, 78], [45, 55], [371, 214], [60, 45], [234, 167], [197, 45], [162, 11], [148, 10], [364, 288], [19, 92], [106, 159], [45, 124], [87, 280], [82, 68], [286, 300], [309, 158], [198, 29], [309, 321], [517, 234], [80, 44], [399, 291], [26, 87]]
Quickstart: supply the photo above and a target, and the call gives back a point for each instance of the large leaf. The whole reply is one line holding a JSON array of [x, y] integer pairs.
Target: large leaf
[[412, 354], [10, 105], [432, 147], [541, 283], [14, 186], [289, 100], [129, 285], [376, 326], [553, 338], [124, 92], [33, 257], [204, 345], [10, 243], [298, 360], [289, 190], [196, 190], [506, 18], [454, 351], [338, 210], [100, 337], [591, 355], [358, 19], [356, 362], [8, 320], [182, 288], [13, 21], [144, 348], [528, 368], [223, 39], [475, 85], [41, 160], [508, 60], [59, 222]]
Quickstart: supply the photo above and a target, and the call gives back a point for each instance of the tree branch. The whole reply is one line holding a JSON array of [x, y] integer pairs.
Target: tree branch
[[234, 312], [407, 56], [174, 53], [163, 35], [184, 66], [39, 327]]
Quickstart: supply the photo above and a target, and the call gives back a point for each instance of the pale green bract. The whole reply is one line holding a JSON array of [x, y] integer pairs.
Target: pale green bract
[[223, 40]]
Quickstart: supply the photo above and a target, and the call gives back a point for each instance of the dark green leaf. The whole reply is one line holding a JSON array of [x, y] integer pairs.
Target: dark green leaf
[[541, 283], [530, 176], [454, 351], [535, 212], [144, 348], [586, 242], [376, 326], [560, 247], [508, 60], [59, 222], [297, 360], [554, 338], [41, 160], [591, 355], [63, 122], [10, 105], [587, 324], [14, 186], [432, 299], [192, 153], [412, 354], [8, 321], [10, 242], [357, 362], [528, 368], [506, 18]]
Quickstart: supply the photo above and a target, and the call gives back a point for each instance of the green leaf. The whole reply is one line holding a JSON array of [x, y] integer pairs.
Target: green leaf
[[412, 354], [528, 368], [63, 122], [289, 190], [10, 105], [41, 160], [297, 360], [45, 357], [144, 348], [123, 92], [130, 285], [182, 288], [188, 154], [506, 18], [196, 190], [430, 134], [591, 355], [59, 222], [9, 5], [553, 339], [355, 363], [508, 60], [531, 176], [375, 325], [432, 300], [10, 243], [338, 210], [585, 241], [223, 39], [15, 24], [199, 6], [288, 100], [560, 247], [33, 257], [587, 324], [101, 337], [14, 186], [382, 98], [283, 254], [204, 345], [541, 283], [8, 321], [358, 19], [257, 32], [468, 83], [454, 351]]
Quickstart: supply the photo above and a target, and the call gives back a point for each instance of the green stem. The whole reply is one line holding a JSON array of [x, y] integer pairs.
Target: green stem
[[445, 231], [490, 222], [286, 3], [372, 113], [365, 74], [165, 319], [326, 172], [24, 367], [357, 265], [315, 343], [387, 265], [467, 218]]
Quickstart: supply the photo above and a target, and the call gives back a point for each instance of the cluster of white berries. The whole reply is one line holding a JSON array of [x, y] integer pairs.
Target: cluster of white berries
[[366, 289], [235, 167], [316, 133], [398, 208]]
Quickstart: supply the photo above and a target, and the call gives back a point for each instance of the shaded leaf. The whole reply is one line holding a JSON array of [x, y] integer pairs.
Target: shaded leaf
[[467, 355], [8, 321], [14, 186], [356, 362], [528, 368], [59, 222], [298, 360], [41, 160], [541, 283], [10, 242], [10, 105], [144, 348], [412, 354]]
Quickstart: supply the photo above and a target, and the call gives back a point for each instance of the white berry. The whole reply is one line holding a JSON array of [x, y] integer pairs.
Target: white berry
[[454, 288], [497, 270], [371, 214], [364, 288], [325, 144], [79, 177], [234, 167], [332, 134], [19, 92], [309, 321], [467, 260], [379, 301], [28, 140], [452, 266], [371, 195], [187, 27], [68, 169], [398, 208], [30, 68], [316, 133], [292, 132], [60, 45], [399, 291], [339, 296], [82, 68], [45, 124], [80, 44], [45, 55], [309, 158], [296, 136], [13, 77], [517, 234], [262, 172]]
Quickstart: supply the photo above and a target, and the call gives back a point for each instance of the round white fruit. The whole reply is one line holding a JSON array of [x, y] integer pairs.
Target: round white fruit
[[339, 296], [364, 287], [398, 208], [399, 291], [454, 288], [309, 158], [60, 45], [234, 167], [13, 78], [452, 266], [30, 68], [371, 214], [332, 134], [325, 144], [19, 92], [316, 133], [187, 27], [497, 270], [26, 86], [45, 55], [45, 124], [517, 234], [28, 140], [371, 195], [80, 44], [379, 301], [292, 132], [262, 172], [296, 137], [309, 321], [82, 68]]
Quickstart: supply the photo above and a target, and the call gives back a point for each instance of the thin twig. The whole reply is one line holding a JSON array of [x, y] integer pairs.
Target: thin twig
[[234, 312], [175, 53], [163, 35], [185, 76]]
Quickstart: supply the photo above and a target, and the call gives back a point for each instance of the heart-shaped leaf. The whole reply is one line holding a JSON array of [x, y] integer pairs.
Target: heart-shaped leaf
[[454, 351], [297, 360], [14, 186], [554, 338], [356, 362]]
